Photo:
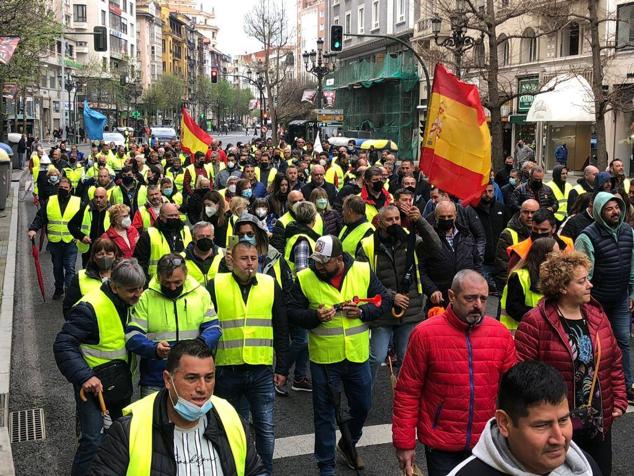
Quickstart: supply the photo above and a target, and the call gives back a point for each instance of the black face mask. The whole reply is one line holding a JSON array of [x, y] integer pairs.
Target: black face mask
[[171, 294], [205, 244], [173, 224], [377, 186], [63, 193], [411, 189], [127, 180], [508, 167], [536, 236], [536, 185], [445, 224], [395, 231]]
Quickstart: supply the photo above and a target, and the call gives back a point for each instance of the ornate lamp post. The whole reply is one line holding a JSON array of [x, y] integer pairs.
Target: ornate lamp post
[[319, 64], [258, 82], [69, 85]]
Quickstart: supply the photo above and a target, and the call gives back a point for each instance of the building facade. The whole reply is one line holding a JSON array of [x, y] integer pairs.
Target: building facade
[[311, 25], [149, 42]]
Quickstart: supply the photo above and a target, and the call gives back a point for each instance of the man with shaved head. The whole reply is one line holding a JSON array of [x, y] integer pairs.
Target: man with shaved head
[[168, 235], [584, 184], [89, 223], [318, 179], [458, 251]]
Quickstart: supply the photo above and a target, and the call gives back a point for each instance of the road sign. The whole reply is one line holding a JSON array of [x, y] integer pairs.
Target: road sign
[[330, 117]]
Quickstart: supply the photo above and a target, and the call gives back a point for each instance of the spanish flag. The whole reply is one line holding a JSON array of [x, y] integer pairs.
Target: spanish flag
[[456, 152], [193, 138]]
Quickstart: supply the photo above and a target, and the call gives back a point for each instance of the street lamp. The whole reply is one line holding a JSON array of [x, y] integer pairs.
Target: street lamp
[[319, 64], [69, 85], [459, 42]]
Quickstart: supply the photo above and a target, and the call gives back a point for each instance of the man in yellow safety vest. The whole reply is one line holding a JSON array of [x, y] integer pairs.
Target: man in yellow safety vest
[[183, 429]]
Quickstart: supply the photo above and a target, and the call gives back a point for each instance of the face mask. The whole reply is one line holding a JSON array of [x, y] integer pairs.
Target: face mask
[[445, 224], [513, 181], [210, 211], [199, 163], [63, 193], [377, 186], [126, 222], [232, 188], [247, 193], [205, 244], [264, 166], [53, 179], [231, 164], [171, 293], [261, 212], [168, 192], [536, 235], [321, 203], [395, 231], [174, 224], [72, 159], [127, 180], [536, 185], [188, 410], [411, 189], [322, 162], [248, 239], [104, 263]]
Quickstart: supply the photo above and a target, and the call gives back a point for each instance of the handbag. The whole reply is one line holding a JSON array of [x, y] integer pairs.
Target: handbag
[[583, 416], [116, 379]]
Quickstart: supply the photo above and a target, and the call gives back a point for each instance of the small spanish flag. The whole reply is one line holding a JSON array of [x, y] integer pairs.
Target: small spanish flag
[[193, 138], [456, 152]]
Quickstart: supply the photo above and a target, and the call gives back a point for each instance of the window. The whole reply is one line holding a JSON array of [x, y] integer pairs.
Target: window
[[528, 46], [67, 19], [625, 26], [375, 14], [131, 9], [52, 82], [571, 37], [124, 7], [478, 53], [44, 81], [153, 52], [79, 13], [361, 20], [55, 106], [103, 18], [400, 11], [504, 53], [347, 25]]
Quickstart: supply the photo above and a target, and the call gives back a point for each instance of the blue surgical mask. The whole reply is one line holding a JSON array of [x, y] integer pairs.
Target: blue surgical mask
[[248, 239], [247, 193], [188, 410], [512, 181], [168, 192]]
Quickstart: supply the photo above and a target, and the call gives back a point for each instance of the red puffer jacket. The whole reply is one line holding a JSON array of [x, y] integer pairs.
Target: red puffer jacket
[[448, 384], [541, 336]]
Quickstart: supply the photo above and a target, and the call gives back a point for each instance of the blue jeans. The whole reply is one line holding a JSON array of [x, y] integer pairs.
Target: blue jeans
[[356, 380], [380, 340], [90, 431], [64, 256], [298, 351], [255, 382], [146, 390], [619, 316], [440, 463]]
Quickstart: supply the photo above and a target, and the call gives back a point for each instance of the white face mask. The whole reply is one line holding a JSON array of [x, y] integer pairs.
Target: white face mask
[[231, 164], [261, 212], [126, 222], [232, 188], [210, 211], [322, 162]]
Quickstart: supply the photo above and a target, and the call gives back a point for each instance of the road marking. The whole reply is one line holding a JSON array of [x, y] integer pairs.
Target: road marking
[[304, 444]]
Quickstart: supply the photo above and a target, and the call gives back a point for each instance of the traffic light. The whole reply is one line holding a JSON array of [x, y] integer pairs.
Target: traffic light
[[336, 38], [100, 36], [214, 75]]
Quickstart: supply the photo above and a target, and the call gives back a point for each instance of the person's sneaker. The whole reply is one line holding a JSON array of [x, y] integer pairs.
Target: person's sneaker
[[281, 390], [58, 295], [349, 460], [302, 385], [630, 396]]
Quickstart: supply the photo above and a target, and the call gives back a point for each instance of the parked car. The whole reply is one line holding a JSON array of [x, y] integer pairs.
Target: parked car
[[164, 134], [115, 137]]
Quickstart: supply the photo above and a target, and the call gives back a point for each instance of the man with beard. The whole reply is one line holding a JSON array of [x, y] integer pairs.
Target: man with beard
[[90, 223], [622, 184], [168, 235], [436, 387], [131, 192], [146, 215]]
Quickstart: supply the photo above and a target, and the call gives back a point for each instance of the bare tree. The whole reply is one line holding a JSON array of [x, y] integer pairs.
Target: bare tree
[[268, 24], [289, 104]]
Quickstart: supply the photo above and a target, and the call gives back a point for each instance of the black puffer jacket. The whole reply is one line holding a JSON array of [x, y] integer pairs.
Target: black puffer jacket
[[492, 218], [332, 222], [113, 458], [391, 262], [501, 265], [439, 267]]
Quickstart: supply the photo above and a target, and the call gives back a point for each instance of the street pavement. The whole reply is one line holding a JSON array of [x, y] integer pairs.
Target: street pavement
[[36, 383]]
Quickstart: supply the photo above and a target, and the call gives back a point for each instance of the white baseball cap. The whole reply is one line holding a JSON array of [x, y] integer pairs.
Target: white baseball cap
[[327, 247]]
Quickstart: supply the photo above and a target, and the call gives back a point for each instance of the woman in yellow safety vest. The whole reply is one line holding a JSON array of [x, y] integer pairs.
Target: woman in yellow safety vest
[[103, 254], [521, 293]]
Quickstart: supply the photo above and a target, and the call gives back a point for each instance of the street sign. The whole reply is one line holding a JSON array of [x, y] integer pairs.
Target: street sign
[[330, 117], [328, 111], [135, 115]]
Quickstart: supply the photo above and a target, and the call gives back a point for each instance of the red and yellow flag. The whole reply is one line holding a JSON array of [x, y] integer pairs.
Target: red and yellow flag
[[456, 152], [193, 138]]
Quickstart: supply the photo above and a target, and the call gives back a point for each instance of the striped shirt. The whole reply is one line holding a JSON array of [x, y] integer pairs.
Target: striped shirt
[[194, 454]]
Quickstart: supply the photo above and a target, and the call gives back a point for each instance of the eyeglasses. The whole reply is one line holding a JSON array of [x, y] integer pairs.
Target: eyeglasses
[[174, 261]]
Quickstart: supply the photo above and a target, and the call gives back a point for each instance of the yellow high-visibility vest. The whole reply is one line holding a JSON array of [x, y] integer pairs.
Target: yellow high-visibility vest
[[57, 228], [195, 272], [159, 246], [351, 241], [288, 250], [562, 199], [86, 283], [531, 298], [86, 225]]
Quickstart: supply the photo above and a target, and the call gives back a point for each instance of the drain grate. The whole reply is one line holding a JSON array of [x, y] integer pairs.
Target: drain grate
[[27, 425]]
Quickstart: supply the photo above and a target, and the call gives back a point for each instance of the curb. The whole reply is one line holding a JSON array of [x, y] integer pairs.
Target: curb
[[6, 335]]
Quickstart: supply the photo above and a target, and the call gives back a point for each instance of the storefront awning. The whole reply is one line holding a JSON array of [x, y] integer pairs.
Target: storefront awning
[[565, 98]]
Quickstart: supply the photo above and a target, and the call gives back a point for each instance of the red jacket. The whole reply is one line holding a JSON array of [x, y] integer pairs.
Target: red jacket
[[541, 336], [448, 384], [133, 237]]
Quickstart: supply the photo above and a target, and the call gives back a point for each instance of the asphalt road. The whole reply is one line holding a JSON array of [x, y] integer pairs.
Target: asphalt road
[[36, 383]]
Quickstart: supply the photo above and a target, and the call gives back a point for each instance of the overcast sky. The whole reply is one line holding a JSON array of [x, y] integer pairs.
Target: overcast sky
[[230, 19]]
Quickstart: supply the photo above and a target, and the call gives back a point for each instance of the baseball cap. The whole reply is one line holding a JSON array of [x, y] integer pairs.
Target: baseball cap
[[327, 247]]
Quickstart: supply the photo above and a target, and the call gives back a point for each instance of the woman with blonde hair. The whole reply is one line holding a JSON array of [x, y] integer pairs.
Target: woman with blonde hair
[[121, 231], [237, 206], [570, 331]]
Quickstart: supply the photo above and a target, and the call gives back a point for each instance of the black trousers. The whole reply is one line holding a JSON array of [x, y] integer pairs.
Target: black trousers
[[599, 447]]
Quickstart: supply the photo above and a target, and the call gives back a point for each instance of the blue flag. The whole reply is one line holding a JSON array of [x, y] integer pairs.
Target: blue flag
[[94, 122]]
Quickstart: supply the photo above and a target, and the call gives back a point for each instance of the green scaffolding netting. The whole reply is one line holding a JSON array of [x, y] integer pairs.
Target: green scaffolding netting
[[379, 99]]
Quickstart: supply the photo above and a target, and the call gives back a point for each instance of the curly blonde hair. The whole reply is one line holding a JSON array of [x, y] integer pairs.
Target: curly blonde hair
[[558, 270], [115, 211]]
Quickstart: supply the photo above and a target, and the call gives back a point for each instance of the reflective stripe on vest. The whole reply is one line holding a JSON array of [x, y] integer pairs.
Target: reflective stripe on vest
[[141, 434], [342, 337], [351, 241], [195, 272], [269, 179], [86, 283], [111, 344], [368, 248], [57, 229], [562, 199], [288, 250], [86, 225], [160, 247], [531, 298], [247, 329]]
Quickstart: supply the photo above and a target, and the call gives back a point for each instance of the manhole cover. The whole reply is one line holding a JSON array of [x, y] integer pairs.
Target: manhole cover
[[27, 425]]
